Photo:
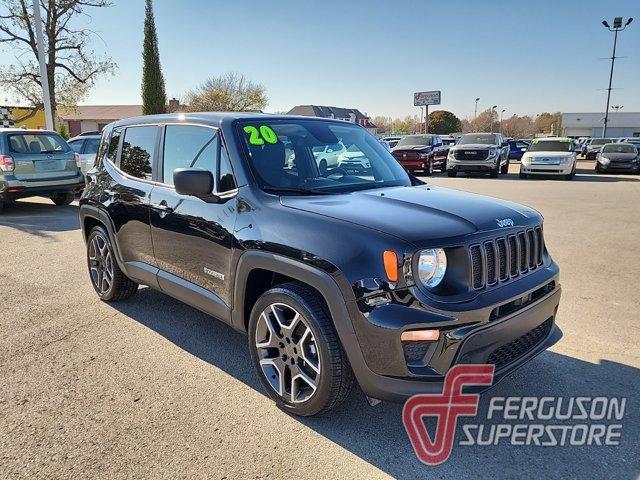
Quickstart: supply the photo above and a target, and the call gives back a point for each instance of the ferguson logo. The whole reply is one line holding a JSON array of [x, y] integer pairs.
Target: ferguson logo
[[505, 222]]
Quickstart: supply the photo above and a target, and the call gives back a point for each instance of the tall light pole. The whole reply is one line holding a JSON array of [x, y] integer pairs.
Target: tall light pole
[[501, 114], [44, 78], [492, 112], [617, 26], [475, 111]]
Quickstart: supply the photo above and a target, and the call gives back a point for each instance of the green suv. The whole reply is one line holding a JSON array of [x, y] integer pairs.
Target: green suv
[[37, 163]]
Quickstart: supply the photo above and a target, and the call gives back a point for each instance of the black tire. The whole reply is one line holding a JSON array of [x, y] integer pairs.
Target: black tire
[[429, 170], [1, 205], [571, 175], [443, 166], [64, 198], [451, 173], [335, 377], [504, 169], [322, 167], [121, 286], [597, 169], [523, 175], [495, 171]]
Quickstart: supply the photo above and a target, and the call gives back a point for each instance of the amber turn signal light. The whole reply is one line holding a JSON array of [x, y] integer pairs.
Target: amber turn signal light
[[420, 335], [391, 265]]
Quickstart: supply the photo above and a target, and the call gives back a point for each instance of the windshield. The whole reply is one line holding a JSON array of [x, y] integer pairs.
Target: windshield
[[411, 140], [619, 148], [478, 138], [600, 141], [37, 143], [282, 155], [550, 146]]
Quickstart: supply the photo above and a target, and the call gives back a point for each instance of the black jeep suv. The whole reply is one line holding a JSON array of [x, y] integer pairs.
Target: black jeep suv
[[336, 277]]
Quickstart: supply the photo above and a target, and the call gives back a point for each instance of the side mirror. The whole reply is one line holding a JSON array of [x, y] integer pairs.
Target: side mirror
[[195, 182]]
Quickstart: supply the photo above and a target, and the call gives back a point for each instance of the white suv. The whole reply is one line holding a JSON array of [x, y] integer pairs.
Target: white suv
[[550, 156]]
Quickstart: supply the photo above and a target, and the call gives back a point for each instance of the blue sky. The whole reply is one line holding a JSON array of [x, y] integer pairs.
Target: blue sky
[[524, 56]]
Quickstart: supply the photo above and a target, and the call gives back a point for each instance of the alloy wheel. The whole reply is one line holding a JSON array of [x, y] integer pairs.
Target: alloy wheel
[[100, 264], [288, 353]]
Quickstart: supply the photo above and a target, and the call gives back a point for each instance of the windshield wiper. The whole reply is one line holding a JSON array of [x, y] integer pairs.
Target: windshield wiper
[[302, 191]]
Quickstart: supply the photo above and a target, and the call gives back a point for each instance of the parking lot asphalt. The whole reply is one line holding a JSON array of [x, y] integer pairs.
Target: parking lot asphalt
[[153, 388]]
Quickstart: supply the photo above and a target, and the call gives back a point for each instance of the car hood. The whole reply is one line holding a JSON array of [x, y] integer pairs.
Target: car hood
[[410, 147], [418, 215], [547, 154], [474, 146], [618, 155]]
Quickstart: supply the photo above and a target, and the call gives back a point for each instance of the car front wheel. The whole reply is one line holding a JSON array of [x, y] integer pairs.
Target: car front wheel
[[296, 352]]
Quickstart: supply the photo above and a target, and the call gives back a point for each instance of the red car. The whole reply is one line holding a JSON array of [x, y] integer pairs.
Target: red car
[[421, 152]]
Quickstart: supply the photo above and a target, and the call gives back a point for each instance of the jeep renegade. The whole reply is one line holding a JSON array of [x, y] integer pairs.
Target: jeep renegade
[[336, 276]]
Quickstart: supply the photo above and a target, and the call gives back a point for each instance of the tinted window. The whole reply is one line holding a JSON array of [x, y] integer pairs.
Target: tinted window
[[188, 146], [411, 140], [137, 151], [550, 146], [91, 146], [619, 148], [76, 145], [37, 143], [478, 138], [113, 145]]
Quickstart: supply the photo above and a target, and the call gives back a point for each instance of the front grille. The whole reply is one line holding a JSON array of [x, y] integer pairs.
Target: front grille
[[519, 347], [503, 258], [406, 155], [471, 154]]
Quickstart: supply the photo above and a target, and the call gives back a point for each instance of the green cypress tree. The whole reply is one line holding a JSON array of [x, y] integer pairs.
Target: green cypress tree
[[154, 98]]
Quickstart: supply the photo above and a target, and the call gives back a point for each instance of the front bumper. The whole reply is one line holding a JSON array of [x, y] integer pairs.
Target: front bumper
[[472, 165], [472, 336], [620, 167], [546, 169]]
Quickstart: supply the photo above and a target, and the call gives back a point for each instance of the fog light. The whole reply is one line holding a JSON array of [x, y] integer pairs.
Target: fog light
[[420, 335]]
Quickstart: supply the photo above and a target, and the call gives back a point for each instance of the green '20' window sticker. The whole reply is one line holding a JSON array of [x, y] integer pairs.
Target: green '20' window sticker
[[259, 135]]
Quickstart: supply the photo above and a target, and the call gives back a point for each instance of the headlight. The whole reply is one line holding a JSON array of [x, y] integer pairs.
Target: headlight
[[565, 160], [492, 152], [526, 160], [605, 161], [432, 265], [452, 154], [424, 155]]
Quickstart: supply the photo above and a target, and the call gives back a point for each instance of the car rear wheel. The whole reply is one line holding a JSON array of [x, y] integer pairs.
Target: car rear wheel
[[296, 351], [109, 282], [64, 198]]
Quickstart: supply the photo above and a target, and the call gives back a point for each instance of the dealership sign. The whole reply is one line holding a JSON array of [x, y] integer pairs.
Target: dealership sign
[[426, 98]]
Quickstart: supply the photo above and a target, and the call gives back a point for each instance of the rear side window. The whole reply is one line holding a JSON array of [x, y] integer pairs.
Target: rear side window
[[37, 143], [189, 146], [91, 146], [138, 149], [112, 153], [76, 145]]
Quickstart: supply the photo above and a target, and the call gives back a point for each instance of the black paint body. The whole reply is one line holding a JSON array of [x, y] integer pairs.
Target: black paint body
[[335, 244]]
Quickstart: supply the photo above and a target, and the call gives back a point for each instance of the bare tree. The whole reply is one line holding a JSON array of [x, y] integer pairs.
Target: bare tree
[[72, 67], [231, 92]]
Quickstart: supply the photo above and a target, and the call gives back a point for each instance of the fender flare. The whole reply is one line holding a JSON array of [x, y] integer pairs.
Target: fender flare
[[102, 216], [312, 276]]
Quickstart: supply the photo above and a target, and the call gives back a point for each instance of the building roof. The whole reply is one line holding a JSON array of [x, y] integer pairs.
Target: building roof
[[100, 112], [332, 112]]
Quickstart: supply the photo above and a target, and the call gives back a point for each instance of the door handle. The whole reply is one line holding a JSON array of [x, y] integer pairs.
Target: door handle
[[162, 207]]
